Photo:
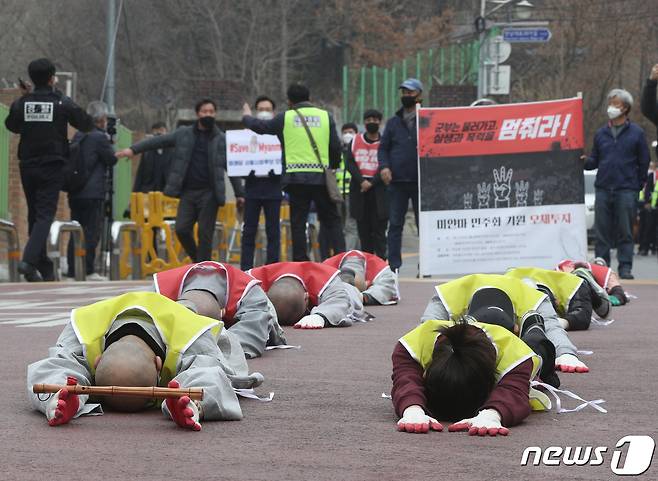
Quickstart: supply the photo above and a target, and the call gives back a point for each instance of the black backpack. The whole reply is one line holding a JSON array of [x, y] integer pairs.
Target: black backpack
[[76, 173]]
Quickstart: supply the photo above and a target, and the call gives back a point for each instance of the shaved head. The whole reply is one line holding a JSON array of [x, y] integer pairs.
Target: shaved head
[[357, 279], [290, 300], [127, 362], [201, 302]]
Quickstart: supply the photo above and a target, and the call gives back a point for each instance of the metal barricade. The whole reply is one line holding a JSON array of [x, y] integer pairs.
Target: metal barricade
[[54, 247], [8, 229], [118, 269], [286, 232]]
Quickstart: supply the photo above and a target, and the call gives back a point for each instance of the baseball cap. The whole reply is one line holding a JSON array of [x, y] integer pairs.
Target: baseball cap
[[412, 84]]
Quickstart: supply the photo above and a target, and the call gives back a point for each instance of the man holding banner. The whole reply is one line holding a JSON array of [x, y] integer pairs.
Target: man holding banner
[[500, 186], [262, 192]]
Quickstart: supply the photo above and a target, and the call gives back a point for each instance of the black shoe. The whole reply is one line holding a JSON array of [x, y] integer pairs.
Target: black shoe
[[626, 275], [46, 269], [30, 272], [642, 253]]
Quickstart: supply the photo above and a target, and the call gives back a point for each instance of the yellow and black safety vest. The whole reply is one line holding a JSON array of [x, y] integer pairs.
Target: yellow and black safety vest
[[299, 153], [563, 285], [456, 295]]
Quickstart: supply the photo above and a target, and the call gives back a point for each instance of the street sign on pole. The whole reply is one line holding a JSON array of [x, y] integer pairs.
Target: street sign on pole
[[497, 50], [498, 80], [526, 35]]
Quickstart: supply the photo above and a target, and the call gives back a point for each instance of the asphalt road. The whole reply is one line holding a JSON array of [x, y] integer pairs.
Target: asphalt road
[[328, 420]]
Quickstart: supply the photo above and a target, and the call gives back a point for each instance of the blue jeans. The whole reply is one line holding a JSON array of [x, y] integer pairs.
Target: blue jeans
[[614, 212], [271, 208], [399, 194]]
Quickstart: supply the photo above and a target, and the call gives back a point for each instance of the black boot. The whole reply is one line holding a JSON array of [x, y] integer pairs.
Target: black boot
[[30, 272]]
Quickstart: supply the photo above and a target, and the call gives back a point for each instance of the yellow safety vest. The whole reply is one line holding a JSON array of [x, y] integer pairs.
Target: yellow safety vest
[[299, 153], [178, 326], [456, 295], [510, 351], [654, 194], [563, 285], [343, 177]]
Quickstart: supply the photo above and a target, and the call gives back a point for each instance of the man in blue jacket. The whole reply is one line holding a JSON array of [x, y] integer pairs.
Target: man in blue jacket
[[621, 155], [398, 161]]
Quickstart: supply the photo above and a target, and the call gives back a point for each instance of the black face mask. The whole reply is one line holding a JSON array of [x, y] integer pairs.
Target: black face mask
[[372, 128], [408, 101], [207, 122]]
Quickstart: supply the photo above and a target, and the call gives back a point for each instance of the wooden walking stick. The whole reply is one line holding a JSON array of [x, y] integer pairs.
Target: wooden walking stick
[[194, 393]]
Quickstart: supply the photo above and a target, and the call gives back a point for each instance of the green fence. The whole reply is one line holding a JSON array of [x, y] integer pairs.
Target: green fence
[[377, 87], [122, 174], [4, 164]]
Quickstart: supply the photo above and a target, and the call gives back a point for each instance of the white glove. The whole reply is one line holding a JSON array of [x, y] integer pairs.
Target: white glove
[[570, 363], [486, 422], [414, 420], [312, 321]]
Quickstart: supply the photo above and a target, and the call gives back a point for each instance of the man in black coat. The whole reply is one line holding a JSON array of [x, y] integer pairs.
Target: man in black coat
[[87, 203], [41, 117], [368, 198], [196, 177]]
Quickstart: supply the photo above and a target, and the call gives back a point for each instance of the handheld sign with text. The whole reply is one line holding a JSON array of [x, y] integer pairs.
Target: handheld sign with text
[[247, 151]]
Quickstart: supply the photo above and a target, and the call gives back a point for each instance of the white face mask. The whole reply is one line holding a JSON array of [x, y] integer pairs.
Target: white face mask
[[264, 115], [613, 112], [348, 137]]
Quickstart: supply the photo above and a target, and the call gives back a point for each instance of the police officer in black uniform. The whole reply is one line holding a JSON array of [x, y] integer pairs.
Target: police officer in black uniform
[[41, 117]]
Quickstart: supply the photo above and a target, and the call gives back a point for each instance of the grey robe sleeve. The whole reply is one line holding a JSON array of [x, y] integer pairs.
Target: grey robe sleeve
[[66, 358], [555, 333], [435, 310], [253, 322], [204, 364], [385, 288], [335, 304]]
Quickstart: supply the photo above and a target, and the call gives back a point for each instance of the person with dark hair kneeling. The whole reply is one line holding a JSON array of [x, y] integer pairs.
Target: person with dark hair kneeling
[[475, 373]]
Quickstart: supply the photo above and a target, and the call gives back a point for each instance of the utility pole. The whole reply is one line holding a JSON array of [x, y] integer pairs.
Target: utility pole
[[482, 36], [111, 20]]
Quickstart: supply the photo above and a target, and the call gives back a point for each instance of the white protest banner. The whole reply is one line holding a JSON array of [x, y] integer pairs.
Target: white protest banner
[[501, 186], [247, 151]]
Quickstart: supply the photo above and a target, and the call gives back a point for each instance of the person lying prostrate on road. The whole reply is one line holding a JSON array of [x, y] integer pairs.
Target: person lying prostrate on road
[[306, 295], [601, 274], [368, 273], [247, 311], [143, 339], [455, 298], [570, 295], [474, 373]]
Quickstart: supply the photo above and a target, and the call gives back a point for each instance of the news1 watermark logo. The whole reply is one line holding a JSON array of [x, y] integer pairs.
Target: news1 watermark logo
[[639, 454]]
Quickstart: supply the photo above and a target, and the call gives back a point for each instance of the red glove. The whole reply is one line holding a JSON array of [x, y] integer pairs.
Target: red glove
[[63, 405], [183, 411], [486, 422]]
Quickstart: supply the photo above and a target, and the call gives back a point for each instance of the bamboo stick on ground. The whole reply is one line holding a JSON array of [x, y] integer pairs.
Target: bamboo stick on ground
[[195, 393]]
